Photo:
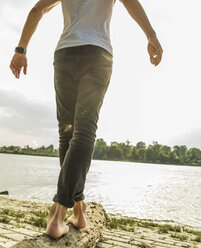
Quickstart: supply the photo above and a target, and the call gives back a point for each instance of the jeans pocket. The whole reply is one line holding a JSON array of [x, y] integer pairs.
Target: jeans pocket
[[59, 55]]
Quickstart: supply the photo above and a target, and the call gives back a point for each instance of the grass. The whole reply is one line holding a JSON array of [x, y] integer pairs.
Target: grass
[[37, 221], [38, 218], [166, 228], [195, 232], [197, 239], [181, 237], [175, 231], [129, 224], [40, 214], [34, 218], [12, 213], [122, 223], [5, 220]]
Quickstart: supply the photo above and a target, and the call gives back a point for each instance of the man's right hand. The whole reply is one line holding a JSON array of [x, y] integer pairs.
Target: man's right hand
[[155, 50], [18, 61]]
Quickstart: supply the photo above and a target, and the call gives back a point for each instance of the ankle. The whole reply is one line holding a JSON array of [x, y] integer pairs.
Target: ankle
[[79, 208], [60, 213]]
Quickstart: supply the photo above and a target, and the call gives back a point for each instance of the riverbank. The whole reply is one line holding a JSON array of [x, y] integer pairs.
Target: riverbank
[[57, 156], [30, 153], [21, 220]]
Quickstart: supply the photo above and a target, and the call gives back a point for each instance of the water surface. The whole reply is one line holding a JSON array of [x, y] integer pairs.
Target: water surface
[[163, 192]]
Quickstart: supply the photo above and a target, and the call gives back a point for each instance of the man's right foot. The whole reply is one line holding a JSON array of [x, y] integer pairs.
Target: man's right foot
[[78, 218], [56, 227]]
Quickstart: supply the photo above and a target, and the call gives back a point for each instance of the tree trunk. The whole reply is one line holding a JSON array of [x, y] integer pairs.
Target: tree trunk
[[87, 237]]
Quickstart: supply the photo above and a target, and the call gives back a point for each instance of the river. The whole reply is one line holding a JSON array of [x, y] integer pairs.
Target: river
[[148, 191]]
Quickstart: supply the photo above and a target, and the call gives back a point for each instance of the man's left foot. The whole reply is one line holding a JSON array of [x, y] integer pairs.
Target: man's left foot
[[56, 226]]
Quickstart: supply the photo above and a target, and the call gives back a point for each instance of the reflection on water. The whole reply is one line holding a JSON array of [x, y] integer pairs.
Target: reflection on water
[[133, 189]]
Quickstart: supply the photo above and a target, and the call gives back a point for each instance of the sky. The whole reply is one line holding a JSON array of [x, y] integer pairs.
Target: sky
[[143, 102]]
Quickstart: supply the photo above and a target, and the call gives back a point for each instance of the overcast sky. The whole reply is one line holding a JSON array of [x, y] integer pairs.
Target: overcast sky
[[143, 102]]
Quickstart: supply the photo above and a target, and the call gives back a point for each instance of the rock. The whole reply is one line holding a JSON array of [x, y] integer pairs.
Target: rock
[[4, 193], [75, 238]]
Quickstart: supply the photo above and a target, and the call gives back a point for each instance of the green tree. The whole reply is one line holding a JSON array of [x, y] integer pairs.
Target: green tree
[[193, 155], [166, 150], [133, 155], [150, 154], [180, 153], [162, 157], [50, 148], [141, 154], [114, 152], [140, 145], [125, 150], [100, 150]]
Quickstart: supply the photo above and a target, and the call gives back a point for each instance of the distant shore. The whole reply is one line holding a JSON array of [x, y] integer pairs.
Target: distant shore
[[154, 153], [56, 156], [30, 153]]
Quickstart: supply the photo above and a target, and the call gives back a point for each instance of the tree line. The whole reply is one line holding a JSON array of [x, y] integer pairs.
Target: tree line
[[27, 150], [124, 151], [154, 153]]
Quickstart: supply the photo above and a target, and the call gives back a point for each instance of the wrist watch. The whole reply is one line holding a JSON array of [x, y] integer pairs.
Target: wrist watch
[[20, 50]]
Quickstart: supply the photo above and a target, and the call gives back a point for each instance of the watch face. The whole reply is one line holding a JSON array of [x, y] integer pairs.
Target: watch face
[[20, 50]]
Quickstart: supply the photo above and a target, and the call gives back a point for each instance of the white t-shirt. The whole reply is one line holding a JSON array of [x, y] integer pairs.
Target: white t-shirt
[[86, 22]]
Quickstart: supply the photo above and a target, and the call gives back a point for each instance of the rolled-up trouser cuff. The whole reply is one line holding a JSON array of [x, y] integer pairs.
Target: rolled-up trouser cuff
[[80, 198], [62, 201], [69, 203]]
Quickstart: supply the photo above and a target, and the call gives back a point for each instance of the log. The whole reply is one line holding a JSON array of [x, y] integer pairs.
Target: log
[[75, 238]]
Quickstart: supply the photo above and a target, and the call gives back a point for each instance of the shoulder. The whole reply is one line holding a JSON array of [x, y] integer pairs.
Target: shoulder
[[46, 5]]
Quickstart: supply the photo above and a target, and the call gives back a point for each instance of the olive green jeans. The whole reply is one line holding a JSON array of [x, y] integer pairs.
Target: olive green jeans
[[81, 78]]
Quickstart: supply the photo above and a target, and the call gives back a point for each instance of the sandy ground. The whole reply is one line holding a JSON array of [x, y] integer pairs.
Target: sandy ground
[[22, 220]]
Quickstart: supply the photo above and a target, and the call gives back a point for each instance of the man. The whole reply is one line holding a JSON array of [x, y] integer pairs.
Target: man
[[83, 62]]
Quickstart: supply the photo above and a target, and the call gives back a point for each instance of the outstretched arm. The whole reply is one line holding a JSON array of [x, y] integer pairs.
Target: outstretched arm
[[137, 12], [19, 60]]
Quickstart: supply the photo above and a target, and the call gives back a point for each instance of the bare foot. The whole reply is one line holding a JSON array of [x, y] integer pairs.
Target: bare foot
[[51, 213], [78, 218], [56, 227]]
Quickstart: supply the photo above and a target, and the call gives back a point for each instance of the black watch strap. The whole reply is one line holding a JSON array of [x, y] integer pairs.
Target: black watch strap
[[20, 50]]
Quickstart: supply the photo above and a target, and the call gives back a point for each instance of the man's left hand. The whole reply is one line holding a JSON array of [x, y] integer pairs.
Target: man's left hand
[[155, 50], [18, 61]]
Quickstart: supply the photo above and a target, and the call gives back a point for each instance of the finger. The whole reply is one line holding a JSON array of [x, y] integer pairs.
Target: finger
[[156, 61], [13, 69], [25, 69], [157, 57], [153, 58], [18, 72], [10, 66]]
